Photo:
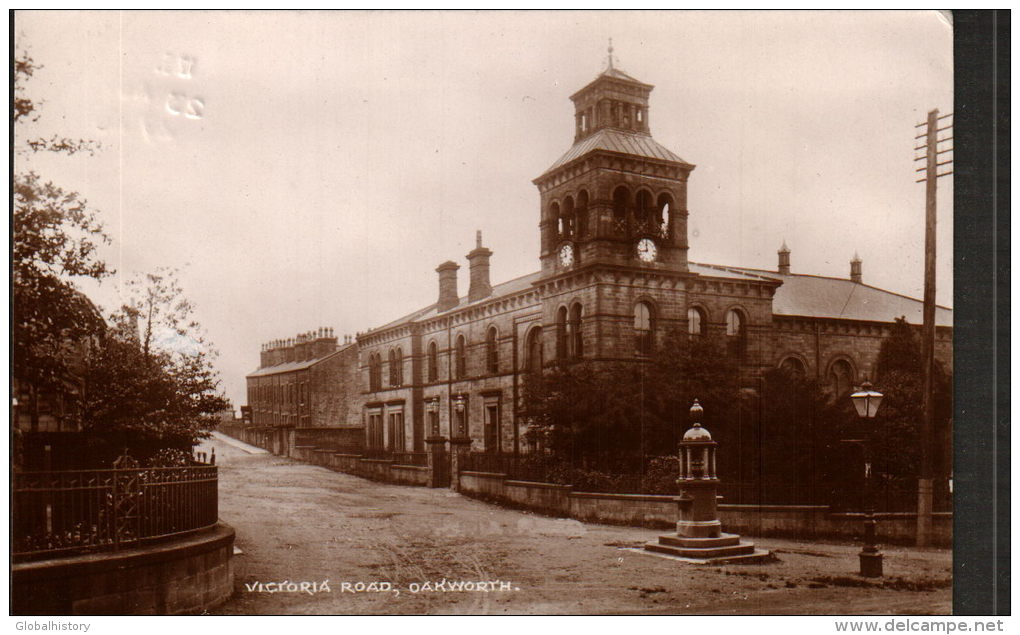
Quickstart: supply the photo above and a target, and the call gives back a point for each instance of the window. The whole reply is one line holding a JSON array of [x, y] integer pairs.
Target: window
[[643, 328], [736, 331], [695, 321], [374, 372], [375, 429], [535, 360], [841, 377], [491, 432], [396, 431], [561, 333], [461, 355], [621, 201], [664, 210], [793, 366], [643, 210], [580, 214], [492, 351], [567, 218], [576, 337], [396, 367], [433, 362]]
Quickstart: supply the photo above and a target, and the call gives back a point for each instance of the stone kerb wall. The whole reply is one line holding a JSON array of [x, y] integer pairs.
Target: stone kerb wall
[[659, 512], [182, 576]]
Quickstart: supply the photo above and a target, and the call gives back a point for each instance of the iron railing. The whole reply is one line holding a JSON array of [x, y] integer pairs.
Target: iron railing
[[63, 513]]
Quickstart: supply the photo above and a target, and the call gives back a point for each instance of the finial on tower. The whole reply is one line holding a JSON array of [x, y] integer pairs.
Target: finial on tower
[[478, 239], [610, 52]]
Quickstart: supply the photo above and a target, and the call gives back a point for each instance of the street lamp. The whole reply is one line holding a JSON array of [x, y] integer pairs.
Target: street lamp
[[458, 407], [867, 401], [432, 407]]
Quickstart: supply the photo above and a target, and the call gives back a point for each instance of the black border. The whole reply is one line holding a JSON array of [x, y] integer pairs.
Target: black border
[[981, 558]]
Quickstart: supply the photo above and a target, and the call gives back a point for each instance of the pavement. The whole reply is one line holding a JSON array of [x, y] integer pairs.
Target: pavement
[[319, 542]]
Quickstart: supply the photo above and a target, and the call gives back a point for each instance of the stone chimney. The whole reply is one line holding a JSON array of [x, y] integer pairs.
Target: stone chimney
[[784, 260], [447, 285], [479, 270], [855, 269]]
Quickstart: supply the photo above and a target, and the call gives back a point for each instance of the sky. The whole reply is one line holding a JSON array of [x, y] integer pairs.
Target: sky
[[311, 169]]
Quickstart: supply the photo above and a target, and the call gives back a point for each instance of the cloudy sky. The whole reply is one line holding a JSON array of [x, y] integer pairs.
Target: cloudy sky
[[311, 169]]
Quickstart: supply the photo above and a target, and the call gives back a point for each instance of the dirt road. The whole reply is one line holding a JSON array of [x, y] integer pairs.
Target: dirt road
[[299, 523]]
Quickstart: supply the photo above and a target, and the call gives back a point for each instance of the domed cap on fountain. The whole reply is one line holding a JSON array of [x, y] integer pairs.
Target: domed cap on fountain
[[697, 433]]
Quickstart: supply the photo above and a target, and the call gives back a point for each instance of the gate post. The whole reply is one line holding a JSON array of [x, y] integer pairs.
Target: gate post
[[459, 448], [439, 461]]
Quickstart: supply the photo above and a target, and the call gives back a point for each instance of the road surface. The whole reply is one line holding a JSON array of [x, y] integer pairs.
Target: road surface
[[316, 541]]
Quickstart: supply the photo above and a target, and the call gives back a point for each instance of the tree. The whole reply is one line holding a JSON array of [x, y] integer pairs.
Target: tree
[[585, 409], [151, 380], [54, 241]]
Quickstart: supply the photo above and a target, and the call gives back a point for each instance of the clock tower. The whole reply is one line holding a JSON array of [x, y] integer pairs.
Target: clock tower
[[617, 197]]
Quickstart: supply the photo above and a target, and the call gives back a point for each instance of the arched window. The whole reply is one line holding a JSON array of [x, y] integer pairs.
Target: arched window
[[567, 219], [561, 333], [643, 210], [793, 365], [492, 350], [580, 215], [621, 201], [396, 367], [554, 216], [535, 360], [695, 321], [576, 338], [664, 210], [736, 331], [374, 372], [643, 328], [841, 377], [461, 358], [433, 361]]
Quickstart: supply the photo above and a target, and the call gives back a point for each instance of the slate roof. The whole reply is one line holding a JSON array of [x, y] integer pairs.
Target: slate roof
[[287, 367], [506, 288], [612, 140], [840, 298], [799, 295]]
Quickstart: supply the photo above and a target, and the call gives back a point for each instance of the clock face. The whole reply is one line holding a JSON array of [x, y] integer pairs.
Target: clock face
[[567, 255], [646, 250]]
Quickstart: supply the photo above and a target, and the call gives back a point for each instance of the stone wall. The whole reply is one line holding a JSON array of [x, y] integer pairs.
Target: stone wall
[[660, 512], [182, 576], [334, 390]]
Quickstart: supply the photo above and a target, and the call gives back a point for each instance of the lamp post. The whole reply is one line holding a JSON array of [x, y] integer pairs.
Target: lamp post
[[458, 407], [866, 401]]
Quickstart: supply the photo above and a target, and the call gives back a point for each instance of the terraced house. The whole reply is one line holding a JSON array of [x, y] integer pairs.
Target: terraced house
[[614, 278]]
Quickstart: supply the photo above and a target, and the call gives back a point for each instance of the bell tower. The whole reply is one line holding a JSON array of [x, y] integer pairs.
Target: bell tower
[[617, 196]]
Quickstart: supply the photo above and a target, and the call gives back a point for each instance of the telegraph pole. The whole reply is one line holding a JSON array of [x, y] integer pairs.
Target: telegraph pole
[[930, 179]]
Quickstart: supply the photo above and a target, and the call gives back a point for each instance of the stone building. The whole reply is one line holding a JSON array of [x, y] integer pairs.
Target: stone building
[[614, 278]]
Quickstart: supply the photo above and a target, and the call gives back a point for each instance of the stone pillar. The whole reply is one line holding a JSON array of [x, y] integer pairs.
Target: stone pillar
[[459, 447], [439, 461]]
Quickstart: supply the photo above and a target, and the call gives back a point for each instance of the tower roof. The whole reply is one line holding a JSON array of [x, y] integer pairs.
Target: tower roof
[[612, 140]]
